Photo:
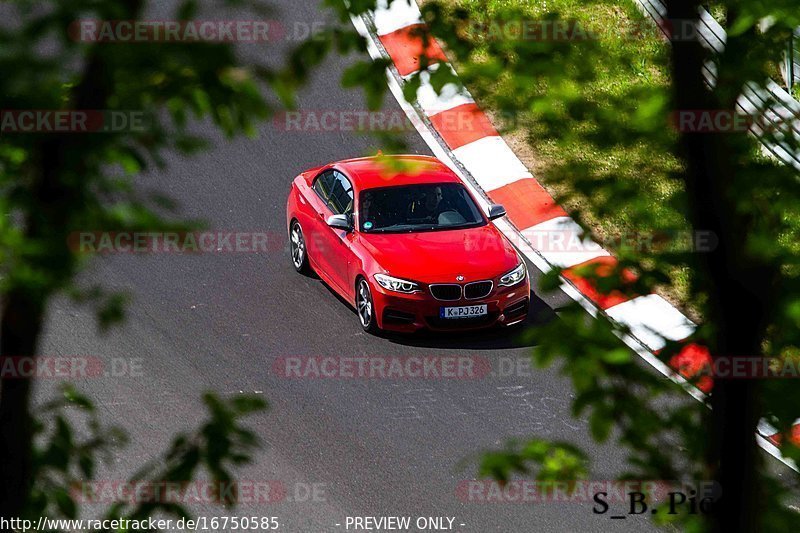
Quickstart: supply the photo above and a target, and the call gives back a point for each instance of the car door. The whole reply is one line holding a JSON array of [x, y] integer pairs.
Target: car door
[[340, 202], [317, 238]]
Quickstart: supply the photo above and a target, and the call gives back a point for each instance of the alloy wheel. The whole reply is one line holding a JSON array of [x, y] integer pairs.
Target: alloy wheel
[[364, 304]]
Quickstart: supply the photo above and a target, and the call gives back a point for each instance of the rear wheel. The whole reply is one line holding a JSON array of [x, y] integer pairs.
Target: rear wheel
[[298, 249], [365, 307]]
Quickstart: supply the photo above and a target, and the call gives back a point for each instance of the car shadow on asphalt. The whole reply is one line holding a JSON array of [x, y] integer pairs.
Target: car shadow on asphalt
[[495, 338]]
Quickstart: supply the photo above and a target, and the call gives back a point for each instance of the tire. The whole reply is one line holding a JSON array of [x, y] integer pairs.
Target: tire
[[298, 250], [365, 307]]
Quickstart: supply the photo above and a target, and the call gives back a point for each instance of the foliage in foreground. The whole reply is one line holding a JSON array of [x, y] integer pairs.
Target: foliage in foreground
[[66, 461], [743, 289], [562, 96], [56, 183]]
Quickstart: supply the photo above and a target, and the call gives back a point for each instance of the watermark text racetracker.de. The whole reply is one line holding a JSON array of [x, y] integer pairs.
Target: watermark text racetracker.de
[[13, 121], [574, 31], [69, 367], [462, 120], [744, 367], [575, 240], [548, 30], [598, 492], [145, 242], [193, 31], [203, 491], [732, 121], [401, 367]]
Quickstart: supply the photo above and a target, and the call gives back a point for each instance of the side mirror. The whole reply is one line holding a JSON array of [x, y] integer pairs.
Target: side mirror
[[496, 211], [340, 222]]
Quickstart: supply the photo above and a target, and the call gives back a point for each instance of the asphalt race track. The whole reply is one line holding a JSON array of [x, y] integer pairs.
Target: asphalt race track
[[219, 321]]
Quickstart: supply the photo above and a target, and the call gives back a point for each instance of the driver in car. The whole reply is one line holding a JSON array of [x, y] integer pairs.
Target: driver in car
[[430, 208]]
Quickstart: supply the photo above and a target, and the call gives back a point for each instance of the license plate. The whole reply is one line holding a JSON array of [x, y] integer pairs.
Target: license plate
[[466, 311]]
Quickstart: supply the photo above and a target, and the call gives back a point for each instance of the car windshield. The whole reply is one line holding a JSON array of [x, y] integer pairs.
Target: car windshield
[[412, 208]]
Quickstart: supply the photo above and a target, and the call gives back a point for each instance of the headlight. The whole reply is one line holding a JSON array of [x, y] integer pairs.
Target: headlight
[[513, 277], [396, 284]]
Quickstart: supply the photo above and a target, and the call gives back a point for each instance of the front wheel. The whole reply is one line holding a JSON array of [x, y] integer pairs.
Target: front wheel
[[365, 307], [298, 249]]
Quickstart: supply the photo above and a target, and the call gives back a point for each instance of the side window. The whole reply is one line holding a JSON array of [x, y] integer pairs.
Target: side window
[[340, 199], [323, 185]]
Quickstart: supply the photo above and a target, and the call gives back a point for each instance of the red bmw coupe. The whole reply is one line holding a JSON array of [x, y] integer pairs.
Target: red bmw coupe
[[406, 244]]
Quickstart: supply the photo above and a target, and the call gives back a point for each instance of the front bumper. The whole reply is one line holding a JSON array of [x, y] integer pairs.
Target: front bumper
[[412, 312]]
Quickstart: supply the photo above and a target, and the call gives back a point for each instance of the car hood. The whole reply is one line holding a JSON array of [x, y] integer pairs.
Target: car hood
[[440, 256]]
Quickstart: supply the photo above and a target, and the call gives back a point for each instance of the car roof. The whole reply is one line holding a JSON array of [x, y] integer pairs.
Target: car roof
[[377, 171]]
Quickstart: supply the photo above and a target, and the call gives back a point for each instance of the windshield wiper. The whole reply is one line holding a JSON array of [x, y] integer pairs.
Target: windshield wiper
[[409, 228], [464, 225]]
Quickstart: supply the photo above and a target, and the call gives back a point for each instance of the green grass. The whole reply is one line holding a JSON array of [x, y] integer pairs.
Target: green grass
[[633, 67]]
